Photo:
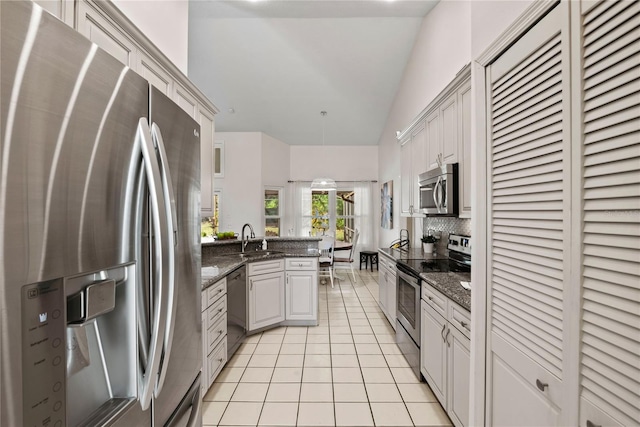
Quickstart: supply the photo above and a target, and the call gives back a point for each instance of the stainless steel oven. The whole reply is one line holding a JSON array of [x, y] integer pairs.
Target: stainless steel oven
[[408, 316]]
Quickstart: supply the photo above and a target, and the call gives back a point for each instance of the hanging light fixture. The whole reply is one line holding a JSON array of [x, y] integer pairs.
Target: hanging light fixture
[[324, 184]]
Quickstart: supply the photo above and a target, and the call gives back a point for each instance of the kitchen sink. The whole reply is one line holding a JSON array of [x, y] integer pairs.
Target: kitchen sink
[[254, 254]]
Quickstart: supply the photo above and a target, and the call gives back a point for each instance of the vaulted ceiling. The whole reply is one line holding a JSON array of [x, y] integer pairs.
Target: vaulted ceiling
[[274, 65]]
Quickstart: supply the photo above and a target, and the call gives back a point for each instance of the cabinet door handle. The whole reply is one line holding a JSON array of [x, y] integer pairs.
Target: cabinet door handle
[[592, 424], [447, 338], [442, 332], [220, 332], [430, 298], [541, 386], [220, 360], [251, 284], [464, 325], [220, 310]]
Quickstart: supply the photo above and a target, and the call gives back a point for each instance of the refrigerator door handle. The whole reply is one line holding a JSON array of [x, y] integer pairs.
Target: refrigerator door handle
[[160, 272], [172, 296]]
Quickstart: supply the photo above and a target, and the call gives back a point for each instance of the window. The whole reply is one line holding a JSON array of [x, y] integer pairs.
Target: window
[[345, 220], [272, 211], [218, 159], [210, 225], [333, 212]]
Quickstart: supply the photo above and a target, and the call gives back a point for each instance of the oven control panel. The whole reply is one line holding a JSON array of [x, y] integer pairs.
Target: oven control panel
[[459, 244]]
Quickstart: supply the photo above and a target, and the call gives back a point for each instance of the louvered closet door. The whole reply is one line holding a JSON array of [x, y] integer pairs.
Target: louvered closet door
[[610, 362], [528, 225]]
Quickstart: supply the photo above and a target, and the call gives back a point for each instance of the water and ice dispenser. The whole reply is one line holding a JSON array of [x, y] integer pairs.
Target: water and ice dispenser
[[79, 348]]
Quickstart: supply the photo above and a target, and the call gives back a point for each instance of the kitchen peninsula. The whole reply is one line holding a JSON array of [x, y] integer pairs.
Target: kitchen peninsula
[[251, 290], [221, 257]]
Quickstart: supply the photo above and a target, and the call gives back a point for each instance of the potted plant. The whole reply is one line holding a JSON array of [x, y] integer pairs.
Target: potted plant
[[428, 243]]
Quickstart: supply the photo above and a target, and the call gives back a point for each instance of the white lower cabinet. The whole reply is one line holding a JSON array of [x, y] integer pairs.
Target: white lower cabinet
[[458, 377], [433, 351], [279, 295], [301, 296], [214, 332], [266, 300], [387, 287], [445, 354]]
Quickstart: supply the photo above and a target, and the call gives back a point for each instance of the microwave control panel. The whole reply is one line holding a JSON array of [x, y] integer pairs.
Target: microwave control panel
[[43, 354]]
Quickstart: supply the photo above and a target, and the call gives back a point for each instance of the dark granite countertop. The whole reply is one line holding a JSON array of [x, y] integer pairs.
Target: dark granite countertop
[[413, 253], [216, 267], [449, 285]]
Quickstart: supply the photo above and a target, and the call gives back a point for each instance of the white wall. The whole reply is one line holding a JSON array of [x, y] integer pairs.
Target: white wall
[[242, 183], [275, 161], [452, 34], [165, 23], [489, 18], [442, 48], [342, 163]]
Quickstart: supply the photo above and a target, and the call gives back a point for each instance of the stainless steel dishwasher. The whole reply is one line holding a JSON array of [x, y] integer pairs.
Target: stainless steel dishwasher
[[236, 309]]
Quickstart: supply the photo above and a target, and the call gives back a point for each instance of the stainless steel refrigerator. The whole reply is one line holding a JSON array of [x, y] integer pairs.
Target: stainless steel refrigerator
[[99, 236]]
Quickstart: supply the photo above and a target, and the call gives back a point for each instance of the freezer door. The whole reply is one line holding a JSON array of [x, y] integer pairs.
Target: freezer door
[[68, 115], [182, 360]]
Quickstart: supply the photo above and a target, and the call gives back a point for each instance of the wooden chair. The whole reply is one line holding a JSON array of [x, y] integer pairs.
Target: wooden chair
[[347, 263], [325, 261]]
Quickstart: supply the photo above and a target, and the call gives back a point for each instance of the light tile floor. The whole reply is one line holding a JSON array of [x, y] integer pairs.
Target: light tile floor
[[347, 371]]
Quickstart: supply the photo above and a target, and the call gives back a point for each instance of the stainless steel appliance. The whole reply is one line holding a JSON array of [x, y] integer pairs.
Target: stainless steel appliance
[[99, 236], [409, 285], [439, 191], [236, 309]]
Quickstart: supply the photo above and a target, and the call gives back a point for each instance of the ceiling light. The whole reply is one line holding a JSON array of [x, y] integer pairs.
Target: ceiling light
[[325, 184]]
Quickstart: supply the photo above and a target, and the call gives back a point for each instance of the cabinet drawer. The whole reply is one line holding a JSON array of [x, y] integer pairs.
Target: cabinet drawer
[[263, 267], [301, 263], [216, 361], [205, 300], [216, 291], [386, 262], [435, 299], [216, 332], [217, 310], [460, 318]]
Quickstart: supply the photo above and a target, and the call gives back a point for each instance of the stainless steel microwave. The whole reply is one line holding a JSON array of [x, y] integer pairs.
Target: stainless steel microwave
[[439, 191]]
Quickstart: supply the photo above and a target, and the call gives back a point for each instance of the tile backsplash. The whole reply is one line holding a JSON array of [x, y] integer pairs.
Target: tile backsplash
[[446, 226]]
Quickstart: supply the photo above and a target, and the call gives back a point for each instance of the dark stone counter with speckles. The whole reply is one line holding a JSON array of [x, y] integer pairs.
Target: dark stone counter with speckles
[[449, 285], [221, 258]]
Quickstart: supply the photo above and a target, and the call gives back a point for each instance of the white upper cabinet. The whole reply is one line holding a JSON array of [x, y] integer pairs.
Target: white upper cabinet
[[434, 137], [155, 74], [434, 141], [464, 155], [61, 9], [207, 131], [442, 132], [94, 25], [185, 100], [412, 159], [104, 24]]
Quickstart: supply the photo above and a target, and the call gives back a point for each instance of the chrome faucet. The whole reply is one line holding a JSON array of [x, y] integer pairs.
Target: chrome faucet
[[253, 235]]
